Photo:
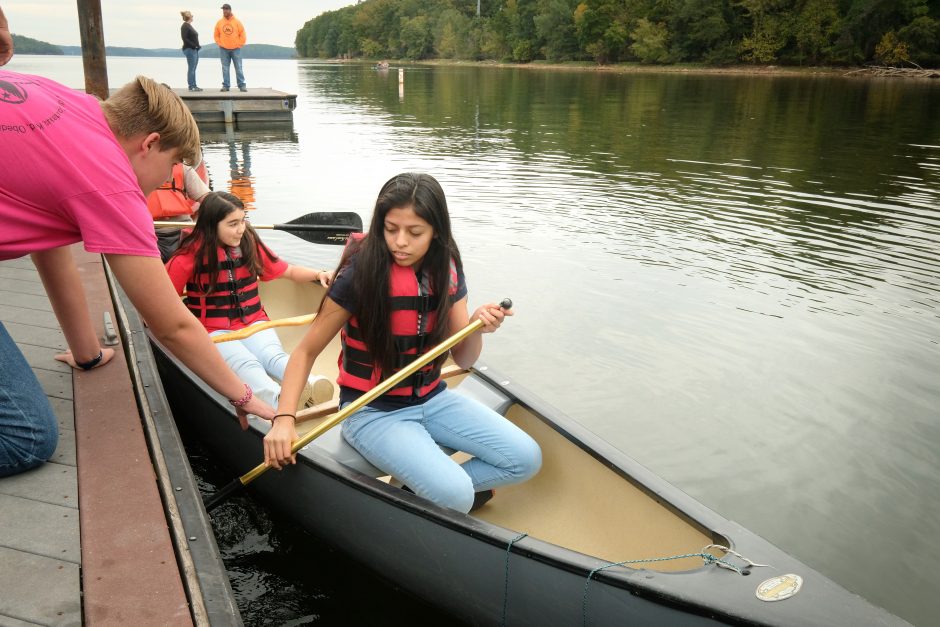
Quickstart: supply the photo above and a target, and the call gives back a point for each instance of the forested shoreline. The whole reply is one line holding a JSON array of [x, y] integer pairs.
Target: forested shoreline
[[657, 32]]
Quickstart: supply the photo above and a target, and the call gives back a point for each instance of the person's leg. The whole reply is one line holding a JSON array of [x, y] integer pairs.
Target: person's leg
[[398, 444], [190, 67], [249, 369], [225, 56], [28, 430], [502, 452], [266, 346], [239, 74]]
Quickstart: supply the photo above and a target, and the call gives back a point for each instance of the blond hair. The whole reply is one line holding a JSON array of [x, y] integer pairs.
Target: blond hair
[[186, 15], [146, 106]]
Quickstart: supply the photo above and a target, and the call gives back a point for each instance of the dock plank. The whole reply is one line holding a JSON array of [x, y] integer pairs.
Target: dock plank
[[32, 317], [17, 286], [39, 528], [24, 574], [52, 483], [55, 384], [36, 336], [39, 302], [21, 273], [43, 358]]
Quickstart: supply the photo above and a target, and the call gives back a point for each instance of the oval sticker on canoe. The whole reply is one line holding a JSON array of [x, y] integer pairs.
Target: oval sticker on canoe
[[779, 588]]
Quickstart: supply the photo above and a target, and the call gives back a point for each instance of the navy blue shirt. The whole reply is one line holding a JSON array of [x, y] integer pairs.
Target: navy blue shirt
[[341, 292]]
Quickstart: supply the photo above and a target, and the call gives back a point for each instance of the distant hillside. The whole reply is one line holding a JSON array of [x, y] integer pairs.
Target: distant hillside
[[28, 45], [209, 51]]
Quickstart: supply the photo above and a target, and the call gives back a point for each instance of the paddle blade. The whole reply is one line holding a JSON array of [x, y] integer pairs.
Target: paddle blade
[[324, 227]]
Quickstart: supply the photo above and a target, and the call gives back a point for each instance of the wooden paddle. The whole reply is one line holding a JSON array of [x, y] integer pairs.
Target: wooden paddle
[[241, 334], [324, 227], [213, 501]]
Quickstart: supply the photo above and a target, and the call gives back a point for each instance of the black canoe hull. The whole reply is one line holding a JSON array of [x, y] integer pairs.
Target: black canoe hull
[[488, 575]]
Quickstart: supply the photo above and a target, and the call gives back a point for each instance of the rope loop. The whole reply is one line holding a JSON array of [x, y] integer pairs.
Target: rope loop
[[506, 576], [708, 558]]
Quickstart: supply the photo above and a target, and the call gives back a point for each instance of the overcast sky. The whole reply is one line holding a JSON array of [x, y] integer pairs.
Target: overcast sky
[[156, 24]]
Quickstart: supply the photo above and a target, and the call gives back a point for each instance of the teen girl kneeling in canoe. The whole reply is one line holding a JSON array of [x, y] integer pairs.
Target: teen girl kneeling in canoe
[[218, 266], [399, 291]]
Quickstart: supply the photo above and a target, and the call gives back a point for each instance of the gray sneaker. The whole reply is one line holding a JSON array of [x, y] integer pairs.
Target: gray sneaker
[[242, 89], [225, 89]]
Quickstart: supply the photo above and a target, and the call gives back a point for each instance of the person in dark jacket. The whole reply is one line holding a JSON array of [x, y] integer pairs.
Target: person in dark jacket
[[190, 49]]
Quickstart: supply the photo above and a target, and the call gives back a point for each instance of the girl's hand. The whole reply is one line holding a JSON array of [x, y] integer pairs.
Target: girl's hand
[[254, 406], [326, 277], [492, 316], [278, 442], [66, 357]]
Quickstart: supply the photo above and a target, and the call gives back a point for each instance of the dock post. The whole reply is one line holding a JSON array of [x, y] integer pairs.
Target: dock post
[[228, 112], [93, 56]]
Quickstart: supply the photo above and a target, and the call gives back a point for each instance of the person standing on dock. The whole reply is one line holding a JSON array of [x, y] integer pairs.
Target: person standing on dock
[[6, 40], [190, 49], [230, 35], [78, 170]]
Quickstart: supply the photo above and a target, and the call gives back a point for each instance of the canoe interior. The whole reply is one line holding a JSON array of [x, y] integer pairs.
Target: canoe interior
[[575, 501]]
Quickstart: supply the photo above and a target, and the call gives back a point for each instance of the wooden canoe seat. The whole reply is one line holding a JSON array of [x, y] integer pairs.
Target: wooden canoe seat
[[333, 443]]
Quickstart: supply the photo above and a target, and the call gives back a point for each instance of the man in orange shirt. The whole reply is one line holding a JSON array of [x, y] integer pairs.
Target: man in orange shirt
[[230, 35]]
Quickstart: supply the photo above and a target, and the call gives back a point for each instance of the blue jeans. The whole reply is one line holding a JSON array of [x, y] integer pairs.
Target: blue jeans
[[404, 443], [255, 360], [228, 56], [28, 429], [192, 60]]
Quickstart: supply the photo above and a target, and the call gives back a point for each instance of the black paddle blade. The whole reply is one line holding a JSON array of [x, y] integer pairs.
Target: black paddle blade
[[324, 227]]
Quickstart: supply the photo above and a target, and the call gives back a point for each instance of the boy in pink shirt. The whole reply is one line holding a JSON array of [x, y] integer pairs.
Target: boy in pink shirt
[[73, 169]]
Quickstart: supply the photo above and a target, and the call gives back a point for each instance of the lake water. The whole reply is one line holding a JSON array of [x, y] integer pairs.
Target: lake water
[[733, 279]]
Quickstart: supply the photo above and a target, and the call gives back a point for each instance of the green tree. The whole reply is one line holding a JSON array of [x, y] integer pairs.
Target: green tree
[[650, 41], [416, 39], [554, 24], [816, 29]]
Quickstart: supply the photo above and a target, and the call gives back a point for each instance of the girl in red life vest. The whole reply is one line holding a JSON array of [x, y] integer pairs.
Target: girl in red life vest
[[398, 292], [218, 266]]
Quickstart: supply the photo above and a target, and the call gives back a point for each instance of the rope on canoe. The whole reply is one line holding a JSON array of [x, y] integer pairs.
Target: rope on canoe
[[506, 576], [707, 557]]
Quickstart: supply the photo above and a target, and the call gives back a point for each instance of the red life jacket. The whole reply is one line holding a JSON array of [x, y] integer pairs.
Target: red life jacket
[[413, 316], [235, 298], [170, 200]]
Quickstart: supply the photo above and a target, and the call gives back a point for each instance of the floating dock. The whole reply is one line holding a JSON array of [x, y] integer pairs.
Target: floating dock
[[111, 530], [257, 105]]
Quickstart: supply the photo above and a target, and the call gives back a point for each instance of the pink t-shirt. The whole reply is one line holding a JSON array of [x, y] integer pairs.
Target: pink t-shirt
[[63, 176]]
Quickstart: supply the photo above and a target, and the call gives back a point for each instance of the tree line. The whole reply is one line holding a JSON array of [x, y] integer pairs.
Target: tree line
[[713, 32]]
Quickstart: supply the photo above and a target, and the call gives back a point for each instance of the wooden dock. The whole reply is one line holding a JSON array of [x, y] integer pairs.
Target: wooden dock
[[257, 105], [105, 532]]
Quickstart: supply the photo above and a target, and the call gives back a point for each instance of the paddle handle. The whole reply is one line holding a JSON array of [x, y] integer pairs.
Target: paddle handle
[[241, 334]]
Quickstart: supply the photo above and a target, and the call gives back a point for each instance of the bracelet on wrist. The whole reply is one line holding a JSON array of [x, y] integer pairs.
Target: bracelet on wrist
[[276, 416], [88, 365], [244, 399]]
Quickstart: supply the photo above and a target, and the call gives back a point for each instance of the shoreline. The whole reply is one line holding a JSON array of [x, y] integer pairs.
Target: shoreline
[[636, 68]]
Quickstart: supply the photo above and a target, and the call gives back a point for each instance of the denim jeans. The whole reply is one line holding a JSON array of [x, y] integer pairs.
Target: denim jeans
[[192, 60], [28, 430], [227, 56], [255, 360], [404, 443]]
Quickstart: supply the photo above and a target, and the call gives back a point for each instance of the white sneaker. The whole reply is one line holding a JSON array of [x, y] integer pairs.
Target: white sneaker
[[317, 390]]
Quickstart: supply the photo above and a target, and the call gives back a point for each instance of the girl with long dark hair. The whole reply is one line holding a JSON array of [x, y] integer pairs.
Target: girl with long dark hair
[[400, 290], [218, 266]]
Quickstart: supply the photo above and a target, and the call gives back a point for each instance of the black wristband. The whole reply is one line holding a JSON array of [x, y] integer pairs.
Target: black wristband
[[88, 365]]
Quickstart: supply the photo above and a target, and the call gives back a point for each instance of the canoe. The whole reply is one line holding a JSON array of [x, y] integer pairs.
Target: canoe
[[594, 539]]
